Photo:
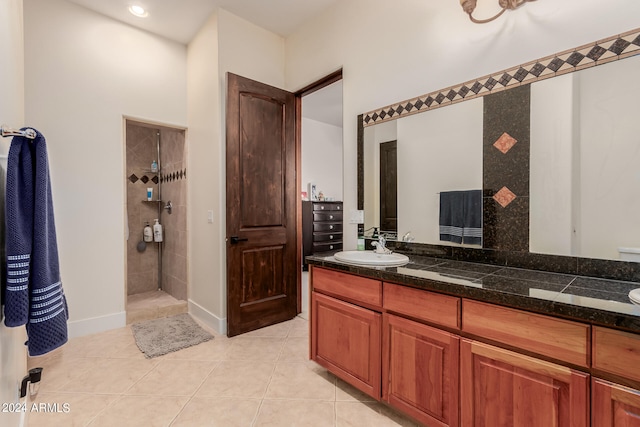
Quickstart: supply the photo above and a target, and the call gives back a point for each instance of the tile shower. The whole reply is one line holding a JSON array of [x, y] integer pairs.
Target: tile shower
[[157, 276]]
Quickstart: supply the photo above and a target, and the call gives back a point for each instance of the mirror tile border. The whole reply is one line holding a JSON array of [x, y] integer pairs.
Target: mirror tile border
[[569, 61]]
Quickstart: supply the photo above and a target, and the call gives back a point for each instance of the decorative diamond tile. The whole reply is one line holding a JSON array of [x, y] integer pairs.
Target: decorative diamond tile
[[600, 52], [133, 178], [505, 143], [504, 197], [154, 179], [144, 179]]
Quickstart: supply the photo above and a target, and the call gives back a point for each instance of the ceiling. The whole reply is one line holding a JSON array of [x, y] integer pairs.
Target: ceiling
[[180, 20]]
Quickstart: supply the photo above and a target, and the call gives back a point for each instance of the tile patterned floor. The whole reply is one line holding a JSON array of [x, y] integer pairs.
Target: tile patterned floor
[[262, 378]]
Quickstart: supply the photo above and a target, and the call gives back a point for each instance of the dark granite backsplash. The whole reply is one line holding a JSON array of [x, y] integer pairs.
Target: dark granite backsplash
[[600, 268]]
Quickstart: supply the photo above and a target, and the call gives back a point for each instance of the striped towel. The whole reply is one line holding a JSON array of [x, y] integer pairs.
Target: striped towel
[[33, 295]]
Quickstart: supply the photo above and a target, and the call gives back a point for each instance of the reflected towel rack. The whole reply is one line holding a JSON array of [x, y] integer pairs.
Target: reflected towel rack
[[27, 133]]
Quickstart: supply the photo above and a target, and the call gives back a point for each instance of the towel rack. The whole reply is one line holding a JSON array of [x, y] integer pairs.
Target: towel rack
[[27, 133]]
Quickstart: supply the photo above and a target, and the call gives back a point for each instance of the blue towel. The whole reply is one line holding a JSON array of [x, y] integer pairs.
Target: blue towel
[[34, 295], [451, 216], [461, 216]]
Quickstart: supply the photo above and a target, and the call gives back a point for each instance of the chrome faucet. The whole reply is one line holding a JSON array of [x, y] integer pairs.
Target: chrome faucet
[[407, 237], [380, 245]]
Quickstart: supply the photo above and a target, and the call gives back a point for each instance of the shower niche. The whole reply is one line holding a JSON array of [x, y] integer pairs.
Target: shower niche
[[156, 183]]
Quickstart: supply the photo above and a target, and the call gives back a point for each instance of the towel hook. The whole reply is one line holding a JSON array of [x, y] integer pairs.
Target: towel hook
[[27, 133]]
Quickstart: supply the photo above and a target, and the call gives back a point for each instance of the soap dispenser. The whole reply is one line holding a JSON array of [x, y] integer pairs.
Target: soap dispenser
[[148, 233], [154, 166], [157, 232]]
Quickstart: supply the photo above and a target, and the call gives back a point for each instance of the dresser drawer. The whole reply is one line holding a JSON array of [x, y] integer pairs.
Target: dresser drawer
[[347, 286], [327, 216], [327, 207], [431, 307], [327, 227], [616, 352], [327, 237], [557, 338], [326, 246]]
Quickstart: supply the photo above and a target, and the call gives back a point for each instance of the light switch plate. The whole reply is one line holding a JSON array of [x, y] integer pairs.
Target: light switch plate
[[356, 216]]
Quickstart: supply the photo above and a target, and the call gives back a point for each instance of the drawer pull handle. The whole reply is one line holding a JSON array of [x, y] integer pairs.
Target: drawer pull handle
[[322, 207], [331, 227], [330, 246], [331, 237], [330, 216]]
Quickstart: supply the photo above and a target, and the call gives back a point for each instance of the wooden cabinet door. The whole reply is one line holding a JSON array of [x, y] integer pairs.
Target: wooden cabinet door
[[503, 388], [345, 339], [614, 405], [420, 371]]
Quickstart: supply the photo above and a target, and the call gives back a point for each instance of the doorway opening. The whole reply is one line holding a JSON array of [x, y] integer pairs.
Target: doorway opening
[[156, 221], [321, 169]]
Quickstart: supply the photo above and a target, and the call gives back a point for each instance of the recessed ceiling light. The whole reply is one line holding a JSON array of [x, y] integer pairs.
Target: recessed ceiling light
[[138, 11]]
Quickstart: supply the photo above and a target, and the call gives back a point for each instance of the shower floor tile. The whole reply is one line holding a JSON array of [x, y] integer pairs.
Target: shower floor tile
[[153, 305]]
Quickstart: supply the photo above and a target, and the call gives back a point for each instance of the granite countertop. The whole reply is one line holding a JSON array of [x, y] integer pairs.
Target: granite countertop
[[597, 301]]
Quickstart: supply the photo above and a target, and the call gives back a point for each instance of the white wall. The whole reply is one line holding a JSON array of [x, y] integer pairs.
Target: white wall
[[551, 167], [609, 159], [322, 157], [226, 43], [206, 178], [436, 154], [83, 73], [13, 353], [392, 51]]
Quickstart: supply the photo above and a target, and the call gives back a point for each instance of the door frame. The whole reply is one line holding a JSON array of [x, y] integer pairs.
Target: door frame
[[299, 94]]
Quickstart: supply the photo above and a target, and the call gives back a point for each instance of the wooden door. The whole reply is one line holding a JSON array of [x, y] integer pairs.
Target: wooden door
[[503, 388], [346, 341], [261, 205], [614, 405], [420, 371], [389, 186]]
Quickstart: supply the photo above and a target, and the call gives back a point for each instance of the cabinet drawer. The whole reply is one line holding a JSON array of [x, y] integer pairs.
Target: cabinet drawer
[[616, 352], [327, 207], [327, 237], [557, 338], [326, 247], [327, 227], [424, 305], [353, 288], [327, 216]]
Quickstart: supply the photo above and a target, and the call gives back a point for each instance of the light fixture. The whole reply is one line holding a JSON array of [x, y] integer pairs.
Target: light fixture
[[470, 5], [138, 11]]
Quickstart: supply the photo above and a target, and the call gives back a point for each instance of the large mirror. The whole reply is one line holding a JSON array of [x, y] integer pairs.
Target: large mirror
[[584, 163]]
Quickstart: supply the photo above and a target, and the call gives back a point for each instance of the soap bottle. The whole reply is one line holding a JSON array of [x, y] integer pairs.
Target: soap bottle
[[157, 232], [154, 166], [360, 241], [148, 233]]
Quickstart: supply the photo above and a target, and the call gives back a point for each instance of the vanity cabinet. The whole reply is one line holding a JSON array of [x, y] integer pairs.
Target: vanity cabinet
[[420, 370], [503, 388], [345, 337], [618, 353], [614, 405]]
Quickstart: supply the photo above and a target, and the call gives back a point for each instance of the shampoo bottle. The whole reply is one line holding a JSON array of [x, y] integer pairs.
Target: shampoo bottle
[[154, 166], [157, 232], [148, 233]]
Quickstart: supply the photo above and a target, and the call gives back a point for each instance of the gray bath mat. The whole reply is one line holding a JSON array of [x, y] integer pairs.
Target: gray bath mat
[[161, 336]]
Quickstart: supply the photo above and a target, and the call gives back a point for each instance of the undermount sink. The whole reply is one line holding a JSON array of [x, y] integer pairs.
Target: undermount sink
[[372, 258]]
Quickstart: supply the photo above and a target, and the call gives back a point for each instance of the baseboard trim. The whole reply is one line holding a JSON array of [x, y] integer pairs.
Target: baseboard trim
[[218, 324], [78, 328]]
